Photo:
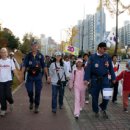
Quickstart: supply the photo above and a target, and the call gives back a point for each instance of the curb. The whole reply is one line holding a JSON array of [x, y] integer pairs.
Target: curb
[[15, 90]]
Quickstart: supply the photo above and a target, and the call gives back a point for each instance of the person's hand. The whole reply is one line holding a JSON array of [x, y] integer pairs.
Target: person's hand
[[70, 89], [86, 82], [48, 79], [114, 81]]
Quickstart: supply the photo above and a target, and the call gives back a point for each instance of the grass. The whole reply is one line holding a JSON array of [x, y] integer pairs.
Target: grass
[[18, 55], [15, 83]]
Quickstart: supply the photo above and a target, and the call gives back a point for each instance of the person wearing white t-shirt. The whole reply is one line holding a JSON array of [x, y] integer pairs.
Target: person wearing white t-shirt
[[68, 66], [6, 66]]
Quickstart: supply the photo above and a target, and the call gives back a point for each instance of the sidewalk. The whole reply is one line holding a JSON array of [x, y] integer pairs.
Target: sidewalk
[[23, 119], [118, 120]]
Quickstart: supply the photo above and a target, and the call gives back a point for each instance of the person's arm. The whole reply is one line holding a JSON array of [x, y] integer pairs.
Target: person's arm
[[16, 64], [111, 71], [120, 76], [87, 70]]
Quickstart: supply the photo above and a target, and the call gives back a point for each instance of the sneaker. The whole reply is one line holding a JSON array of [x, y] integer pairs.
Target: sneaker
[[11, 107], [54, 111], [114, 102], [81, 109], [76, 117], [87, 102], [96, 114], [36, 110], [104, 114], [60, 107], [31, 106], [2, 113], [125, 110]]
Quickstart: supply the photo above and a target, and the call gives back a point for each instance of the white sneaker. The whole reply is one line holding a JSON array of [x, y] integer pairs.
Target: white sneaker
[[87, 102], [11, 107], [81, 109], [2, 113]]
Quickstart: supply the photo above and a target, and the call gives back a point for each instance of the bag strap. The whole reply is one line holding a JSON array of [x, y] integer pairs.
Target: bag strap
[[58, 73]]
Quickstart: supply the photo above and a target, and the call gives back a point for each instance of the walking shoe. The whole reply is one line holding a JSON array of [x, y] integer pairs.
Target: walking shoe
[[96, 114], [87, 102], [54, 111], [61, 107], [125, 110], [104, 114], [2, 113], [11, 107], [76, 117], [114, 102], [36, 110], [31, 106]]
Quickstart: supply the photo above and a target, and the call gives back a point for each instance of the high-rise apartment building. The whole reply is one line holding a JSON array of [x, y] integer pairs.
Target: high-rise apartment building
[[91, 31], [124, 34]]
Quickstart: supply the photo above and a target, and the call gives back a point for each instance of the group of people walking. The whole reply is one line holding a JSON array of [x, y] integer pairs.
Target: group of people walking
[[91, 74]]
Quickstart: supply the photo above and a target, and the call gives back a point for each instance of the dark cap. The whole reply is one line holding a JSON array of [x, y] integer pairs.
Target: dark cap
[[34, 42], [102, 44]]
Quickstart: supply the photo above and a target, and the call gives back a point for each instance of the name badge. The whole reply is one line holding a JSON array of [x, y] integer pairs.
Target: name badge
[[30, 62], [96, 65]]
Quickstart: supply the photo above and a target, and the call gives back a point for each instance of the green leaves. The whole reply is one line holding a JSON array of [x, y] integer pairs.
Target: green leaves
[[7, 39]]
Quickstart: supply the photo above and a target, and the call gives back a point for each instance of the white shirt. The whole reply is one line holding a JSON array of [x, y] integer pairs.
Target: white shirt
[[68, 66], [6, 66]]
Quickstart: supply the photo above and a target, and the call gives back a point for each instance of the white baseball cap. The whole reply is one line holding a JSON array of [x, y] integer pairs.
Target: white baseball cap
[[58, 53]]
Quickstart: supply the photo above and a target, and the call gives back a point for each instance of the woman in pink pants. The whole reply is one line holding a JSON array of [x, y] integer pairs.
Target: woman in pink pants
[[77, 82]]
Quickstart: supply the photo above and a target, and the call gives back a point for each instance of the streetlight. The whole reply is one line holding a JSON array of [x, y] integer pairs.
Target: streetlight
[[116, 46]]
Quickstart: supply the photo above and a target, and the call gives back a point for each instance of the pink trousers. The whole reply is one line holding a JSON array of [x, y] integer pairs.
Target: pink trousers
[[79, 97]]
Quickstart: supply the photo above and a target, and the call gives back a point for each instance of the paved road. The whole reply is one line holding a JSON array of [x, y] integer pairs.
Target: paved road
[[22, 119]]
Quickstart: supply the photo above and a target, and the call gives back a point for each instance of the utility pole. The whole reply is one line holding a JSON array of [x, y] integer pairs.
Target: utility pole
[[82, 37], [116, 46]]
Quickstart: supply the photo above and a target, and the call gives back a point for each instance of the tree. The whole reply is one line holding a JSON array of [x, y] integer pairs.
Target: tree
[[71, 32], [26, 45], [7, 39], [116, 7]]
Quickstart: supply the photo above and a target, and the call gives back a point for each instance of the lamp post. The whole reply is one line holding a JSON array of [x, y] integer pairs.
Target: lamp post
[[116, 46], [82, 37]]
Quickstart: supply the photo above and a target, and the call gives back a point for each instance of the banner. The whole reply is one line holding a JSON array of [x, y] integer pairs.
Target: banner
[[71, 49]]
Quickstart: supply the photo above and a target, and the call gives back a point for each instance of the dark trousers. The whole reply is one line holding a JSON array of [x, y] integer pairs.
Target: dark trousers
[[55, 91], [5, 94], [95, 91], [34, 84], [115, 91]]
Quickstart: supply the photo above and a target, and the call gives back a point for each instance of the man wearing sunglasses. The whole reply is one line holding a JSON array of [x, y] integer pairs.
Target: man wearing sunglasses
[[97, 71]]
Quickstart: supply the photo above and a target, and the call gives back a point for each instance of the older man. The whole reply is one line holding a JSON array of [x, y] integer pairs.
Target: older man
[[97, 70], [34, 65]]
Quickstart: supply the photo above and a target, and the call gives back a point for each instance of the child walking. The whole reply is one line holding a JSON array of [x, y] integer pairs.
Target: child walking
[[77, 82], [125, 75]]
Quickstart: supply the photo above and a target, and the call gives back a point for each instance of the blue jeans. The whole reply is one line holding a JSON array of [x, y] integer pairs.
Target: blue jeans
[[55, 90]]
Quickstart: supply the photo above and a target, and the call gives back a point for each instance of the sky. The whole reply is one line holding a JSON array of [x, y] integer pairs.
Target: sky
[[49, 17]]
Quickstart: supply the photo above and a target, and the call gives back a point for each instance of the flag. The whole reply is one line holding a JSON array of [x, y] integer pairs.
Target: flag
[[111, 38], [71, 49]]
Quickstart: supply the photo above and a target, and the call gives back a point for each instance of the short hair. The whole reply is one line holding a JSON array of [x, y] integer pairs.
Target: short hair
[[86, 54], [102, 44]]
